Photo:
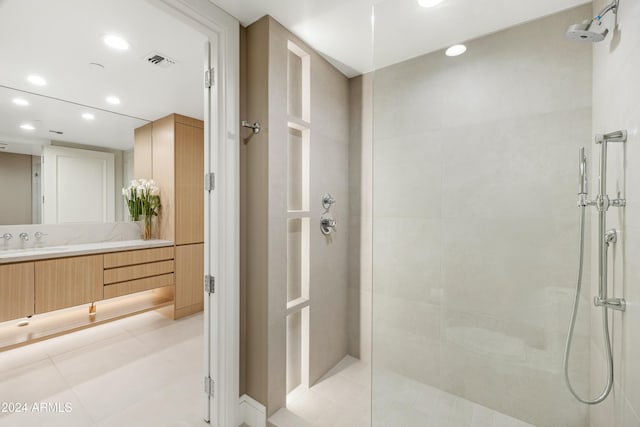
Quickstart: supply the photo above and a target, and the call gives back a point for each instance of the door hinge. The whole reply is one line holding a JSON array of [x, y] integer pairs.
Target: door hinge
[[210, 181], [209, 284], [209, 78], [209, 386]]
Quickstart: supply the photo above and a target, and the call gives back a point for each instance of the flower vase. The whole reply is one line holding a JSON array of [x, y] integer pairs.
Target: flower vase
[[147, 222]]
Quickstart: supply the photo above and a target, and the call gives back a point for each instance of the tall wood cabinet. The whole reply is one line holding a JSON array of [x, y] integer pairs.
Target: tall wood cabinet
[[171, 151]]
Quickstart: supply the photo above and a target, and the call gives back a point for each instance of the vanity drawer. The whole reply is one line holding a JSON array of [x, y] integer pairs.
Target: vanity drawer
[[132, 272], [16, 291], [121, 259], [139, 285], [67, 282]]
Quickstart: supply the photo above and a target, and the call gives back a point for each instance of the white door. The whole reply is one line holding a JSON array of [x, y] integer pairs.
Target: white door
[[77, 186]]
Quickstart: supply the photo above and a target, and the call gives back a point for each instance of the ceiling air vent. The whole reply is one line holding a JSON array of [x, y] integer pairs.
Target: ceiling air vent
[[156, 58]]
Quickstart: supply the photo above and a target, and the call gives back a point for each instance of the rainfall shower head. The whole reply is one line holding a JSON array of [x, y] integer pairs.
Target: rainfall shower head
[[588, 31], [592, 30]]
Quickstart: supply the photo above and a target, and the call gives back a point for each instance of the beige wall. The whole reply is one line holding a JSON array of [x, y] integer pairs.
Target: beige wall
[[243, 218], [475, 223], [15, 179], [360, 206], [254, 214], [616, 95], [264, 214]]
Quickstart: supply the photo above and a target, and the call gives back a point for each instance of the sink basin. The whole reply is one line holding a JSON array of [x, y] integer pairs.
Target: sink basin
[[8, 255], [8, 252], [51, 249]]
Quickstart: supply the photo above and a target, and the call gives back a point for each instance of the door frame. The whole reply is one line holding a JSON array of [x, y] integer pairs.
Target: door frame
[[222, 204]]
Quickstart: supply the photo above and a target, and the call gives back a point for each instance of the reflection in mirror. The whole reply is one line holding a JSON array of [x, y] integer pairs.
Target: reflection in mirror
[[62, 162]]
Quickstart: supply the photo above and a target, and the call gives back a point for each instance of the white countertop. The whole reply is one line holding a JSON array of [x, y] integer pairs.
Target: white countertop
[[44, 252]]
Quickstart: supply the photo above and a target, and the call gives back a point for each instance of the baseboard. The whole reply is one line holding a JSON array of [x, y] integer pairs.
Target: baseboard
[[252, 412], [179, 313]]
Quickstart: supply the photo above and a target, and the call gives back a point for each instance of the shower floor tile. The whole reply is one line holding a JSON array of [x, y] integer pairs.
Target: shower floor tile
[[342, 399], [339, 399]]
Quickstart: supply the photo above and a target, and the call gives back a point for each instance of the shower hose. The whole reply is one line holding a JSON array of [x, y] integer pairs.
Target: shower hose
[[605, 328]]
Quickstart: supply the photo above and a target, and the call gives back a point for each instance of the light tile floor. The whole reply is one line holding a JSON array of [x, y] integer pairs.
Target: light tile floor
[[144, 370], [342, 399], [402, 402]]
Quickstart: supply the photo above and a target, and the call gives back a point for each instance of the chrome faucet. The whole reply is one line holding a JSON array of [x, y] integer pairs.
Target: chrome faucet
[[7, 236], [39, 235], [24, 237]]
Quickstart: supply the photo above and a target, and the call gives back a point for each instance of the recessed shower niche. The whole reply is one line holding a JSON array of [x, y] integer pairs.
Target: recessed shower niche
[[298, 213]]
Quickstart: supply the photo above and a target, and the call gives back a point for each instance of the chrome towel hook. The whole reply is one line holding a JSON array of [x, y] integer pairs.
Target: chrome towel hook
[[256, 128]]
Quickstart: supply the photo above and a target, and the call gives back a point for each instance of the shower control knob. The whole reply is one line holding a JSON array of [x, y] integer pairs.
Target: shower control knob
[[327, 226], [327, 201]]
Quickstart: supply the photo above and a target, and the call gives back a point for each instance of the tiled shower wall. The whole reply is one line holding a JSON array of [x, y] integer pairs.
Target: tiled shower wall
[[475, 220], [616, 105]]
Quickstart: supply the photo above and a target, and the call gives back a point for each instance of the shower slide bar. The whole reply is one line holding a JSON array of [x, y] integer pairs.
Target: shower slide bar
[[606, 237], [602, 203]]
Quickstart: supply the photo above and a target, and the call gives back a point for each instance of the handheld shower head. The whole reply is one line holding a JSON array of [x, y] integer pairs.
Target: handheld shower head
[[586, 32], [583, 178]]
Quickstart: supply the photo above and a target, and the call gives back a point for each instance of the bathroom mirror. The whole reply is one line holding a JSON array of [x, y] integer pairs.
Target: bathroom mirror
[[72, 56], [62, 162]]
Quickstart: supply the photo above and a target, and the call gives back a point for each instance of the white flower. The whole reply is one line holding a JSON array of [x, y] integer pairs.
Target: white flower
[[155, 191], [125, 191]]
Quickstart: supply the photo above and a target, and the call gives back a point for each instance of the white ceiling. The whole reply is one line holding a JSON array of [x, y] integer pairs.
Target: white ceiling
[[341, 29], [58, 39]]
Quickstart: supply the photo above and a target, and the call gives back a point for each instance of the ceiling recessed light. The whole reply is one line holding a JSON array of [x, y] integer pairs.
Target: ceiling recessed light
[[27, 126], [36, 80], [456, 50], [88, 116], [116, 42], [429, 3], [113, 100], [21, 102]]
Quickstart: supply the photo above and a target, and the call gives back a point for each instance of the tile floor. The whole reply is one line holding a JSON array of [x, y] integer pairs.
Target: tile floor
[[342, 399], [144, 370], [402, 402]]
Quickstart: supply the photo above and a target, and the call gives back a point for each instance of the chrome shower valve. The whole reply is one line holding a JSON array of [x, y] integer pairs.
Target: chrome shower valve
[[327, 226]]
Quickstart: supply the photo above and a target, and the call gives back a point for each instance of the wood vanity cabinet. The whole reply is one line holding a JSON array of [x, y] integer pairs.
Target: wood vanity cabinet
[[67, 282], [172, 149], [16, 291], [189, 273], [138, 270], [45, 285]]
